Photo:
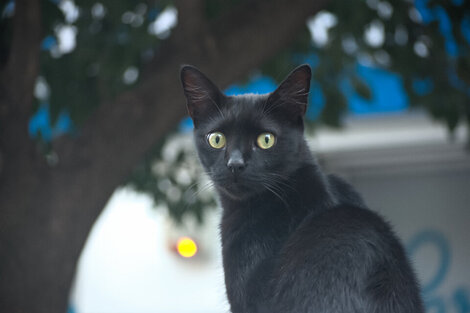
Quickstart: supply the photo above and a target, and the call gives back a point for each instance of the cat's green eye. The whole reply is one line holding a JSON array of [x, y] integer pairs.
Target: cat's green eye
[[265, 140], [216, 140]]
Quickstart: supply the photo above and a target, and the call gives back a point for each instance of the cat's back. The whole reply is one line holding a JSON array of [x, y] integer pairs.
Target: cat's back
[[345, 259]]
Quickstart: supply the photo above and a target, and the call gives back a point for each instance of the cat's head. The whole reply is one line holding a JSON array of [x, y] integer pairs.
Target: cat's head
[[249, 143]]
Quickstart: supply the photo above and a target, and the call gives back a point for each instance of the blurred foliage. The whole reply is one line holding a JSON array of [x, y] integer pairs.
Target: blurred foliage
[[425, 44], [111, 37], [424, 41], [172, 175]]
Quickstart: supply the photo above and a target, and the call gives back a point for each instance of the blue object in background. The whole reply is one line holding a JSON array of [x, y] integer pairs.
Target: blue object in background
[[257, 85], [48, 42], [423, 86], [458, 2], [316, 102], [388, 93], [465, 26], [439, 14], [186, 125], [40, 124]]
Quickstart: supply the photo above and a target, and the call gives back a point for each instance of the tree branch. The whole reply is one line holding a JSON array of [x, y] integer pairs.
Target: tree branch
[[23, 58], [191, 19], [17, 82]]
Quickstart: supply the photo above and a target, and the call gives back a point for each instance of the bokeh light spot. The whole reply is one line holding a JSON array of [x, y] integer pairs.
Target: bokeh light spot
[[186, 247]]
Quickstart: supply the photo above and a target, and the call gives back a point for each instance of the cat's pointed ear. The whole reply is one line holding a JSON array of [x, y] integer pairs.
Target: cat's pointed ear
[[291, 97], [203, 97]]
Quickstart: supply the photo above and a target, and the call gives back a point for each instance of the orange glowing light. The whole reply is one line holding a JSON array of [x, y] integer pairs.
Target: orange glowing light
[[186, 247]]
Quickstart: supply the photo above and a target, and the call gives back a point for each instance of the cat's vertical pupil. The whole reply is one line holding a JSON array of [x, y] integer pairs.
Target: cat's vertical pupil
[[265, 140], [216, 140]]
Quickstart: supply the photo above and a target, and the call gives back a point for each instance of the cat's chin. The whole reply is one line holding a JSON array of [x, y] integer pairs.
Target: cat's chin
[[236, 191]]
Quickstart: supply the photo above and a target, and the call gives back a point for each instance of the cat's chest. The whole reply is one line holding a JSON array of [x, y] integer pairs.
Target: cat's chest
[[251, 244], [252, 241], [256, 230], [250, 249]]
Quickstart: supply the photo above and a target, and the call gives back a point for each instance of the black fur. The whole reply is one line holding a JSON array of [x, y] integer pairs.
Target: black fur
[[293, 239]]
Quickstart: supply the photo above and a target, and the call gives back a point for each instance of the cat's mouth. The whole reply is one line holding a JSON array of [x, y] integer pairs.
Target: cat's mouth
[[236, 191], [237, 187]]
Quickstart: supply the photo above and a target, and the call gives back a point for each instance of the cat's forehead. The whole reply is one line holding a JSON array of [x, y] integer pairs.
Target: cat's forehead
[[239, 114], [246, 105], [245, 113]]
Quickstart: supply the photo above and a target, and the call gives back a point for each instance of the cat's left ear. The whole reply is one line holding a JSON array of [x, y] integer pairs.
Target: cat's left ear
[[291, 97], [203, 96]]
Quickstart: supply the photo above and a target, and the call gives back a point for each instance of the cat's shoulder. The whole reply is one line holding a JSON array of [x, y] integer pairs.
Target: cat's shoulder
[[343, 238], [352, 217], [343, 192], [347, 225]]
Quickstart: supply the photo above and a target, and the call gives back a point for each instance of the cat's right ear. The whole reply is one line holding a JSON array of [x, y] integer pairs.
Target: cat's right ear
[[203, 97], [290, 99]]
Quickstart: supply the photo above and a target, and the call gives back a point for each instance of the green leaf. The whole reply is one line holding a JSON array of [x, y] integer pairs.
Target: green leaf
[[361, 88]]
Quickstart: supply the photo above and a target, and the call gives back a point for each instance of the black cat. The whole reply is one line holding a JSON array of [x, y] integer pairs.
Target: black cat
[[293, 239]]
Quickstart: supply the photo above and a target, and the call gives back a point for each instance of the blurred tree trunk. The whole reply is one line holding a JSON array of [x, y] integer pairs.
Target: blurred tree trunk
[[48, 208]]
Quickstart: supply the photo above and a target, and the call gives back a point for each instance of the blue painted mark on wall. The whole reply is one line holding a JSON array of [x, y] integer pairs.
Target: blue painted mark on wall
[[435, 302], [439, 242], [461, 299]]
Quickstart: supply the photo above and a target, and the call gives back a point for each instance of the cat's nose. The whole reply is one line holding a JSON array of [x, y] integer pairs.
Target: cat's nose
[[235, 162]]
